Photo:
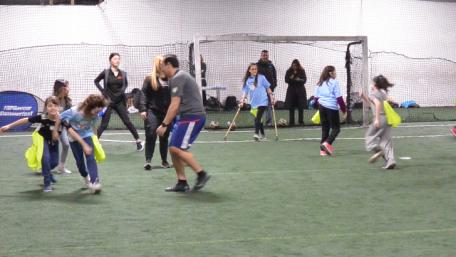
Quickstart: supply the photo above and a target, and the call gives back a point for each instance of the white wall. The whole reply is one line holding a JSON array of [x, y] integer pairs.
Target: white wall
[[415, 28]]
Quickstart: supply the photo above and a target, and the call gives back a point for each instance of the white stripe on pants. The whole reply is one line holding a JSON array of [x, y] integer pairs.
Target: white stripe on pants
[[188, 134]]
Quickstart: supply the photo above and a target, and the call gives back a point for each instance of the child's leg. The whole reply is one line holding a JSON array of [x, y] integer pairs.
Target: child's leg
[[372, 137], [78, 154], [258, 123], [65, 147], [386, 143], [334, 123], [54, 154], [91, 163], [325, 126], [46, 164]]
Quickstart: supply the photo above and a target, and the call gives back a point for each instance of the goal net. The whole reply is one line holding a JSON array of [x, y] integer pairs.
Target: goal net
[[228, 56]]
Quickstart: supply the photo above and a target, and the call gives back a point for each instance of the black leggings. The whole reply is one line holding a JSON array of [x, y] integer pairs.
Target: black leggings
[[258, 124], [121, 110], [330, 124], [150, 125]]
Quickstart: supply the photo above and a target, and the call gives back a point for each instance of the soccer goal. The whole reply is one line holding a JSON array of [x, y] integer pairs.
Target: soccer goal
[[228, 56]]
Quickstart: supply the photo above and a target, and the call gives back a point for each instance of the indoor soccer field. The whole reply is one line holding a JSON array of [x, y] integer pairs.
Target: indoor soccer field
[[67, 65], [273, 198]]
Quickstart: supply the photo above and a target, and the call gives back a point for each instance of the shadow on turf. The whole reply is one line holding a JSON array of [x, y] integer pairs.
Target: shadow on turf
[[79, 196], [201, 196]]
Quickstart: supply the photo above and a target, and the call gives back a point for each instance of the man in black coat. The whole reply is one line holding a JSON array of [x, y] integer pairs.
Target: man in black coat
[[267, 69]]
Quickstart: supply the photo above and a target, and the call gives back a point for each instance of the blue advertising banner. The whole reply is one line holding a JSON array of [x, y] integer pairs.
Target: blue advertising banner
[[15, 105]]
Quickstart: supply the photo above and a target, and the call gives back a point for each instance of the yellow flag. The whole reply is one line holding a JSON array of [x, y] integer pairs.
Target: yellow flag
[[98, 151], [316, 118], [254, 111], [34, 153], [392, 117]]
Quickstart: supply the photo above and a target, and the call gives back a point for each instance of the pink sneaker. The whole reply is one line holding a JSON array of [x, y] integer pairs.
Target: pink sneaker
[[453, 131], [323, 153], [329, 149]]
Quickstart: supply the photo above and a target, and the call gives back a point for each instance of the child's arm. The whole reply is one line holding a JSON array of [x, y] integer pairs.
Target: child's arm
[[241, 103], [85, 147], [19, 122], [365, 97]]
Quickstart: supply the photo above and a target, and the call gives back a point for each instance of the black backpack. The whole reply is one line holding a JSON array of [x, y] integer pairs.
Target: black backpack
[[213, 103], [231, 103], [136, 95]]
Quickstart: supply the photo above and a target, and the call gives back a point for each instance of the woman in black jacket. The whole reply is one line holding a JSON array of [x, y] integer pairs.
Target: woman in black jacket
[[296, 96], [114, 85], [154, 102]]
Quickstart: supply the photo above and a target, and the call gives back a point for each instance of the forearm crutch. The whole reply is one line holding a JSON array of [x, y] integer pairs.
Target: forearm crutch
[[275, 122], [232, 122]]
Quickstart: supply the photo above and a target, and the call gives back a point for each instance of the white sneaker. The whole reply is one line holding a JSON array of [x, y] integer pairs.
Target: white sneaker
[[64, 171], [47, 189], [87, 182], [95, 187], [262, 137], [256, 137]]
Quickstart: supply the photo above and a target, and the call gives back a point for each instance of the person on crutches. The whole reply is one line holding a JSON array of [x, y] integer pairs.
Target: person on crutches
[[258, 88]]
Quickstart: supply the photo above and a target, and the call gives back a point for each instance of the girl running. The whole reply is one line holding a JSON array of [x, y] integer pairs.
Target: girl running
[[378, 135], [47, 130], [329, 99], [80, 122]]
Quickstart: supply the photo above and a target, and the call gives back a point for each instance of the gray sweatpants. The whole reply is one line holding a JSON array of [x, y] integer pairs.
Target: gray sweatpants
[[381, 139], [65, 145]]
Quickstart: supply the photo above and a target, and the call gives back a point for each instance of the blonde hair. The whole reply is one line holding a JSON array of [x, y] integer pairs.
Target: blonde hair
[[156, 72]]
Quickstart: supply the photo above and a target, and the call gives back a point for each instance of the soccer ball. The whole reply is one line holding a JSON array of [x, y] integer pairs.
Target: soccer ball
[[282, 123], [228, 123], [214, 125]]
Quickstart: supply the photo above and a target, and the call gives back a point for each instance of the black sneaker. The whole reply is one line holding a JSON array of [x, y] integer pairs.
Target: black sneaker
[[178, 188], [201, 182], [139, 146], [165, 165]]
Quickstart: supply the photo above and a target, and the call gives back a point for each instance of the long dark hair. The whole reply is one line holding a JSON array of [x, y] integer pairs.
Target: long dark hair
[[381, 82], [325, 76], [58, 87], [300, 68], [247, 75]]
